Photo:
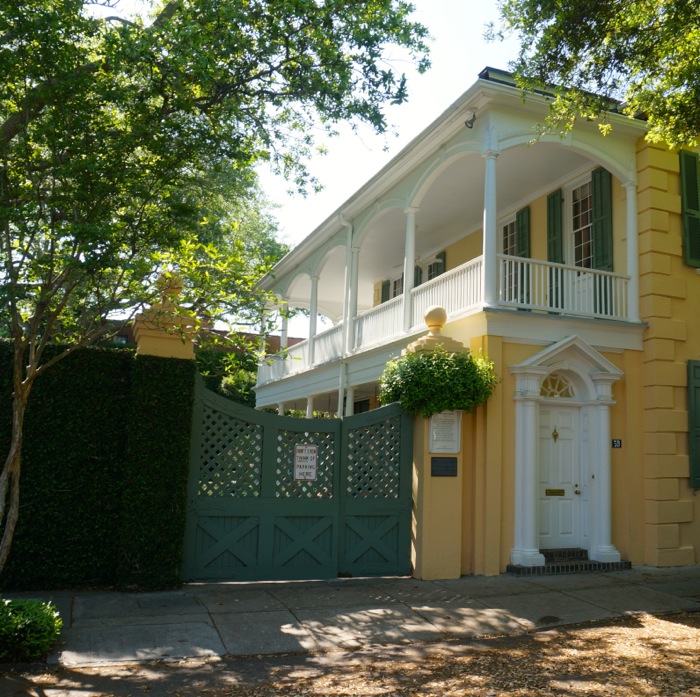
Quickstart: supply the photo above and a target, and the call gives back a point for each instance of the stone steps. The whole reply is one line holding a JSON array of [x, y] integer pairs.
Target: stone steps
[[567, 561]]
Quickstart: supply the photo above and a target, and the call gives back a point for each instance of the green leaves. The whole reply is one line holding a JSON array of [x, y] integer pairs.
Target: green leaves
[[28, 629], [643, 53], [430, 382]]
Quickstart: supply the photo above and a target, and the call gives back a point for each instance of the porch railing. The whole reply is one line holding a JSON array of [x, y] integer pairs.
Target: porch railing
[[573, 290], [381, 323], [527, 284], [458, 291], [328, 344]]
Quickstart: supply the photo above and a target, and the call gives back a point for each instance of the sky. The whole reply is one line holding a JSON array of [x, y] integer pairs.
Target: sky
[[459, 52]]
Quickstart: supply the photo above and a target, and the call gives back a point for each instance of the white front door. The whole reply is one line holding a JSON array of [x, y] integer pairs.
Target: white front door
[[560, 490]]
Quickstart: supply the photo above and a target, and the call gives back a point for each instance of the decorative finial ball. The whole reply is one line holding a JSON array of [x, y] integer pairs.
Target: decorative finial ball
[[170, 284], [435, 317]]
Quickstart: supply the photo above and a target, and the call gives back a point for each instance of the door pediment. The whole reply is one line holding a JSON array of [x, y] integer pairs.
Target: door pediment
[[592, 373]]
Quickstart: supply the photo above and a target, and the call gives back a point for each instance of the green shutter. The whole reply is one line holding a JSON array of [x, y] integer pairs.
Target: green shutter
[[442, 260], [690, 197], [417, 276], [386, 291], [555, 247], [602, 231], [694, 422], [555, 233], [522, 233]]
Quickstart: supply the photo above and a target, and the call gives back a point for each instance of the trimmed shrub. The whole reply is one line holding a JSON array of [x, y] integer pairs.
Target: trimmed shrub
[[430, 382], [28, 629]]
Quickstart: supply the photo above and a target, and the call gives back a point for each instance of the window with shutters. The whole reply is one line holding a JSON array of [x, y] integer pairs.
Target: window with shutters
[[397, 287], [437, 267]]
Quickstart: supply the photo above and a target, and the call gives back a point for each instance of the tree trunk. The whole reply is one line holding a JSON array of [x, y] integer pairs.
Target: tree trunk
[[9, 478]]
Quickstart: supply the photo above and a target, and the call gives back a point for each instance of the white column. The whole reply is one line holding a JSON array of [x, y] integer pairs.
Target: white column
[[632, 252], [347, 286], [309, 407], [408, 266], [284, 331], [349, 401], [525, 550], [602, 548], [280, 409], [312, 320], [489, 280], [354, 273]]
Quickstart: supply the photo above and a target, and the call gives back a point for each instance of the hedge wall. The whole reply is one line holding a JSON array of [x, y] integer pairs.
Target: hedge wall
[[104, 471]]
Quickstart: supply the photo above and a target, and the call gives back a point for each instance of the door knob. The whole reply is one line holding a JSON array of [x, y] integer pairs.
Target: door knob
[[577, 491]]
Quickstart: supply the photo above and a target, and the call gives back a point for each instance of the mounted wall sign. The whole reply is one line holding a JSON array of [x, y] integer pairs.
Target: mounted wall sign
[[443, 466], [445, 432]]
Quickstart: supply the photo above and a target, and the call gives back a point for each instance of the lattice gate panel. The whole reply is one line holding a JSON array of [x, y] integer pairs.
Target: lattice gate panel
[[376, 490], [230, 460]]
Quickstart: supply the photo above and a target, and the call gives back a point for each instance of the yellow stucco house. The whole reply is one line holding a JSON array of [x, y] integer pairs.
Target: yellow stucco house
[[573, 265]]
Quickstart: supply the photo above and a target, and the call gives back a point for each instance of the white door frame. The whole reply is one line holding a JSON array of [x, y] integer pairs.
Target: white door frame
[[592, 377]]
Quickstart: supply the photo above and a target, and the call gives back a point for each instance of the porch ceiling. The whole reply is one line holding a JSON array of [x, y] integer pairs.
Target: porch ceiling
[[451, 208]]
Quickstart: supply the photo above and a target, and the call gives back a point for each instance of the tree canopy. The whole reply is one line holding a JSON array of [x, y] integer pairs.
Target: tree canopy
[[120, 136], [642, 53]]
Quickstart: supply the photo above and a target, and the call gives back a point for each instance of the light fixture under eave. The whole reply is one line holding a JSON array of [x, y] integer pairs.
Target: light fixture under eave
[[471, 117]]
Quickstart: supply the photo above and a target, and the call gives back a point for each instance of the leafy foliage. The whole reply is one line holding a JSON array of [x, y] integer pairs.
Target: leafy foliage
[[430, 382], [642, 52], [111, 132], [28, 629]]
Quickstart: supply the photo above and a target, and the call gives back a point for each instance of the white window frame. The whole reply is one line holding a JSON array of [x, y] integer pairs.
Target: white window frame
[[568, 191]]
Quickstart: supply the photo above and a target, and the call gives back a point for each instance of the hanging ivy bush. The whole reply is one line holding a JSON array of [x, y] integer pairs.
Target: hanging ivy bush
[[429, 382]]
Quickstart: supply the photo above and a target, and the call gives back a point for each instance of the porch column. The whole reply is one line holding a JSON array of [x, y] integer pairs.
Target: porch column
[[489, 279], [352, 314], [632, 252], [349, 401], [525, 550], [347, 283], [309, 407], [284, 331], [312, 321], [280, 409], [602, 548], [408, 266]]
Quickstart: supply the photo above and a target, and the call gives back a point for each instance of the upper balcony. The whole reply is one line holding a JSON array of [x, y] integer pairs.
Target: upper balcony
[[523, 284]]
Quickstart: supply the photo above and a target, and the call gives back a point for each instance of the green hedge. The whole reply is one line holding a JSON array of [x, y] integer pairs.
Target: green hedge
[[104, 471]]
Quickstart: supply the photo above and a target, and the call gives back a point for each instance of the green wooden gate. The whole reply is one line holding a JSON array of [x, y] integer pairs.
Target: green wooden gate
[[251, 518]]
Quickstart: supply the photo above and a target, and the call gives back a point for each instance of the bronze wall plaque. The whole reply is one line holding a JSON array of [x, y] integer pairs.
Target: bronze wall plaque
[[443, 466]]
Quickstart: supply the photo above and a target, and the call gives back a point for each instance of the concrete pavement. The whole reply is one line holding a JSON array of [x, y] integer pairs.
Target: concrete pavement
[[236, 619]]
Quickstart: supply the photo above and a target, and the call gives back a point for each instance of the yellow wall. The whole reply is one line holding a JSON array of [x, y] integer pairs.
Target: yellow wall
[[668, 300], [464, 250]]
